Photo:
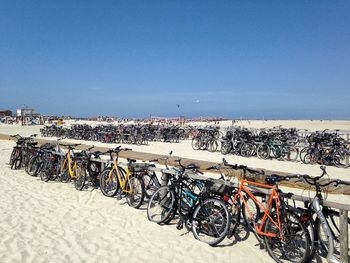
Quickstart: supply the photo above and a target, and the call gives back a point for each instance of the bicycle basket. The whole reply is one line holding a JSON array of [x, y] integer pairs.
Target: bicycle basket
[[139, 167], [217, 188]]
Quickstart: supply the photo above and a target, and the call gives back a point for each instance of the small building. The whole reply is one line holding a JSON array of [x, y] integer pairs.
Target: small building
[[5, 113], [29, 117]]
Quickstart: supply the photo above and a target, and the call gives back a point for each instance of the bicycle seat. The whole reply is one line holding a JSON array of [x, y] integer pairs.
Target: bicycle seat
[[191, 166], [80, 154], [271, 180], [97, 154], [131, 160]]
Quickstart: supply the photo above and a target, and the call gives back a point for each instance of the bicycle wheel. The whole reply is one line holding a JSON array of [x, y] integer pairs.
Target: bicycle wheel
[[162, 205], [263, 151], [196, 143], [136, 191], [309, 223], [309, 158], [212, 145], [56, 163], [340, 159], [226, 147], [251, 210], [302, 153], [16, 159], [235, 210], [45, 172], [290, 153], [247, 149], [109, 183], [211, 221], [151, 184], [332, 218], [64, 176], [294, 246], [33, 166], [80, 179], [13, 156]]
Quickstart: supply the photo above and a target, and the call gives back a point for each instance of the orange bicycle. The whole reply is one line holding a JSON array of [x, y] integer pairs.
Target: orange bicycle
[[284, 235]]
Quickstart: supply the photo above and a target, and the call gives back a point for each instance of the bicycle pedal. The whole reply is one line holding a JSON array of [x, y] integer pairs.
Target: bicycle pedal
[[180, 224]]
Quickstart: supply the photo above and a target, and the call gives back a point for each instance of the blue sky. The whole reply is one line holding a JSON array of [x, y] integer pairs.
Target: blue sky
[[277, 59]]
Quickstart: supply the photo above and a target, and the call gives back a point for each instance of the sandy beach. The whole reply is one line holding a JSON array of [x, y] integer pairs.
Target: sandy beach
[[52, 222]]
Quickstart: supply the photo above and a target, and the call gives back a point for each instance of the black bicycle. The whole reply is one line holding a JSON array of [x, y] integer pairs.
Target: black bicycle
[[207, 216]]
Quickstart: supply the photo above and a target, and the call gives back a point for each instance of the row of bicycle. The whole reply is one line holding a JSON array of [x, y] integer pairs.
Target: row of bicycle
[[282, 144], [212, 209], [129, 134]]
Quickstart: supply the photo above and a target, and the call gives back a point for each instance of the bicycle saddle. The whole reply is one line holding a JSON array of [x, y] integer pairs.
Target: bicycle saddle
[[271, 180], [191, 166], [97, 154]]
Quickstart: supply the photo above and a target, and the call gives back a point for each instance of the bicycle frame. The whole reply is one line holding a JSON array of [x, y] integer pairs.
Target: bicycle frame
[[274, 197], [316, 204], [122, 182], [68, 162]]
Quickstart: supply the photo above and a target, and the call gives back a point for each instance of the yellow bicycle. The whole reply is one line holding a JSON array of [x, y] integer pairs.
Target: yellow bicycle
[[68, 164], [115, 179]]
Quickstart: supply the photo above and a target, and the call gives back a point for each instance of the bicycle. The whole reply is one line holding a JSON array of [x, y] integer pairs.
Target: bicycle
[[87, 170], [68, 164], [284, 235], [151, 181], [207, 216], [325, 227], [114, 179], [21, 153]]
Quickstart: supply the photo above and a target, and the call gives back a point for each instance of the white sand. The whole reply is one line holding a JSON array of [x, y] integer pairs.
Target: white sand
[[52, 222]]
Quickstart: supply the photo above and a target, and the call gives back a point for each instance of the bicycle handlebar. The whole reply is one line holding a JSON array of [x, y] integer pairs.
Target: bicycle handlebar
[[242, 167], [70, 145], [90, 148]]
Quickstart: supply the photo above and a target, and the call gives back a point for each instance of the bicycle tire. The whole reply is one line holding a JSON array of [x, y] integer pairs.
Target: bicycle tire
[[17, 162], [235, 210], [212, 145], [12, 156], [137, 188], [33, 166], [290, 153], [63, 175], [309, 159], [247, 150], [226, 147], [211, 219], [45, 174], [340, 159], [112, 187], [332, 218], [80, 180], [195, 143], [151, 184], [161, 205], [287, 251], [263, 151], [251, 210]]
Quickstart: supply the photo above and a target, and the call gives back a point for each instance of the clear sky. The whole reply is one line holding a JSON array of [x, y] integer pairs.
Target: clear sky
[[277, 59]]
